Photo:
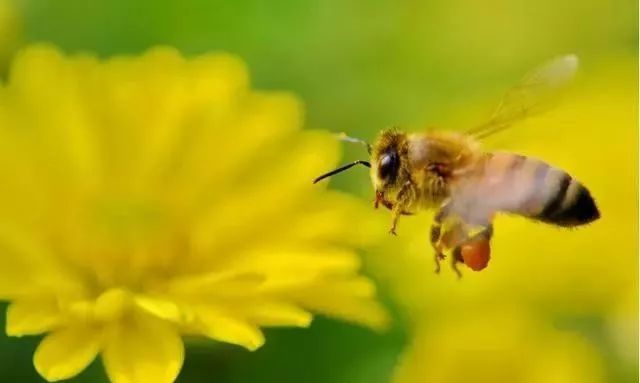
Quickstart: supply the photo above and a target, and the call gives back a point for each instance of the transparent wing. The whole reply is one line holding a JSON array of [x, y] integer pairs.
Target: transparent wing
[[535, 93]]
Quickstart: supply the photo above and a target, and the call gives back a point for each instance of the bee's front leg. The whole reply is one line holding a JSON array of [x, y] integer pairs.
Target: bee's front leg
[[403, 200], [395, 216]]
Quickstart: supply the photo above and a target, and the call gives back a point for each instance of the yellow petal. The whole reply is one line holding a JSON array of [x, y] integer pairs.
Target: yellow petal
[[268, 269], [143, 349], [330, 217], [296, 168], [27, 266], [315, 261], [261, 120], [64, 149], [65, 353], [363, 312], [277, 314], [217, 80], [162, 308], [32, 317], [111, 305], [223, 327], [350, 300]]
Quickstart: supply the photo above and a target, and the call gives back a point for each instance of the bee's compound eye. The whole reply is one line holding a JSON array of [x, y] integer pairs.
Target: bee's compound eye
[[388, 167]]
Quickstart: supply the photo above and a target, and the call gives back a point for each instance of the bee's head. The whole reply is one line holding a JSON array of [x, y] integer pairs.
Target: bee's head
[[387, 156]]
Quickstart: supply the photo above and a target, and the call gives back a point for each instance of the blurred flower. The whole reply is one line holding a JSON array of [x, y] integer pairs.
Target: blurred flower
[[622, 329], [10, 30], [145, 198], [501, 345]]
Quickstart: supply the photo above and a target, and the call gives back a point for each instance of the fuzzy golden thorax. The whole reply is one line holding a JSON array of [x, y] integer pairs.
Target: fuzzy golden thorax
[[415, 170], [437, 160]]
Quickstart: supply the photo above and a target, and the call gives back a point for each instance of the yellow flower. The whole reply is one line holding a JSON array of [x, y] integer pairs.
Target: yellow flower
[[498, 345], [145, 198]]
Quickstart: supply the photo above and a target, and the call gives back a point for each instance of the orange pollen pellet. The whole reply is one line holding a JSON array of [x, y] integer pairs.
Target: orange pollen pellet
[[476, 254]]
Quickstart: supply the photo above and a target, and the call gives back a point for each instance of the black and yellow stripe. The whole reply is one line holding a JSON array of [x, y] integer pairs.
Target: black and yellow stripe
[[532, 188], [570, 205]]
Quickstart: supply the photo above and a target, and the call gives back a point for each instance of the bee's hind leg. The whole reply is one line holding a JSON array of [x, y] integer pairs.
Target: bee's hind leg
[[455, 259], [485, 234]]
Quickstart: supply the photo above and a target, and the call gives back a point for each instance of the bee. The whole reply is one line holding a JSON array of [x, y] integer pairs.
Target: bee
[[447, 171]]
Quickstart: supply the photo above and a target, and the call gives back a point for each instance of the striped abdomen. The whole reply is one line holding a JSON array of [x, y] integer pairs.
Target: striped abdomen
[[529, 187]]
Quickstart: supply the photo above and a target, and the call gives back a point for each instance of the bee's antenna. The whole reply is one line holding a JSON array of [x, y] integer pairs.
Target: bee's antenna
[[341, 169], [343, 137]]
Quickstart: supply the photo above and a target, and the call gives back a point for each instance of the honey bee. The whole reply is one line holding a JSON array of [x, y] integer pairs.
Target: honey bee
[[448, 171]]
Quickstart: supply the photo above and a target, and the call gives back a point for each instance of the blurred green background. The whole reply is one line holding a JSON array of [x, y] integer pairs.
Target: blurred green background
[[359, 66]]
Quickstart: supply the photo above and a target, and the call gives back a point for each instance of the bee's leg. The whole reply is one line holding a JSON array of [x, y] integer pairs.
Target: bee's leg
[[395, 216], [404, 198], [485, 234], [435, 238], [436, 229], [455, 259]]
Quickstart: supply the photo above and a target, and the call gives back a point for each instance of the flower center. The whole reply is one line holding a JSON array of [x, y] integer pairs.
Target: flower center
[[128, 218]]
